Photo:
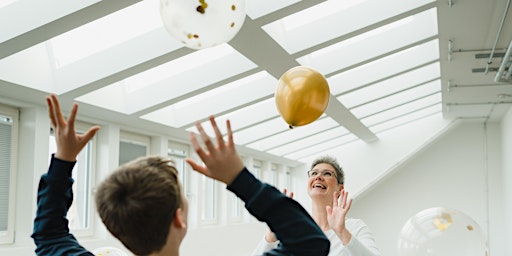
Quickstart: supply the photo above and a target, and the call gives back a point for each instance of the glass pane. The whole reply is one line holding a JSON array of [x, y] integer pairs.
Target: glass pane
[[179, 155], [209, 195], [78, 214], [129, 151], [256, 169]]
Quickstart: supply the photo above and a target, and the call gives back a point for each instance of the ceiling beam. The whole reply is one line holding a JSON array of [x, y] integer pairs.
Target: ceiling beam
[[259, 47], [337, 111]]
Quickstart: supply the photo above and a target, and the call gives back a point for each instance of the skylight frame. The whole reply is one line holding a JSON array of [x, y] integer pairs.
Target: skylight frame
[[309, 141], [384, 68], [260, 131], [391, 86], [291, 135], [353, 15], [217, 100], [362, 48], [259, 112], [221, 67], [370, 108], [403, 109]]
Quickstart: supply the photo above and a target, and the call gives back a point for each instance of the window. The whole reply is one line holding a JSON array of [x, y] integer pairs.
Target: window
[[178, 152], [288, 179], [8, 140], [81, 211], [273, 175], [256, 168], [132, 146], [209, 205]]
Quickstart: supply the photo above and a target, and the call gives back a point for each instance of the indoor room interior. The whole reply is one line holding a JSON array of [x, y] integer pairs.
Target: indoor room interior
[[418, 112]]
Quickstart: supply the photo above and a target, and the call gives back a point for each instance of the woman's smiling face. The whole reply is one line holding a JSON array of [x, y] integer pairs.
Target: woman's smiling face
[[322, 181]]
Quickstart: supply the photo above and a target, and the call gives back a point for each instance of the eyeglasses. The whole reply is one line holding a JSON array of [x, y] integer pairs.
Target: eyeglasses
[[324, 173]]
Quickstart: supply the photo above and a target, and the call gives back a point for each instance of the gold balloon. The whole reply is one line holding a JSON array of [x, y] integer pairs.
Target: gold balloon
[[302, 95]]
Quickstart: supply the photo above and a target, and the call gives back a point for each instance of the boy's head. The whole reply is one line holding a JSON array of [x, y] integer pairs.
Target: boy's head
[[140, 201]]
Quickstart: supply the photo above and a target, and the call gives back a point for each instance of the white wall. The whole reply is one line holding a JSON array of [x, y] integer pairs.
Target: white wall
[[506, 138], [461, 170]]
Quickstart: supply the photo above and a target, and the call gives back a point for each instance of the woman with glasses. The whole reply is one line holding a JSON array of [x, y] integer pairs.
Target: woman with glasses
[[330, 205]]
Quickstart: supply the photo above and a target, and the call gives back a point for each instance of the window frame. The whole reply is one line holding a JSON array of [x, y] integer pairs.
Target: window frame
[[183, 171], [134, 138], [7, 236], [82, 127]]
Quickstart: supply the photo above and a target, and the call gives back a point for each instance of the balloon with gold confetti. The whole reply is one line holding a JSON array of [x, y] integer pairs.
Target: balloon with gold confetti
[[441, 231], [200, 24], [109, 251]]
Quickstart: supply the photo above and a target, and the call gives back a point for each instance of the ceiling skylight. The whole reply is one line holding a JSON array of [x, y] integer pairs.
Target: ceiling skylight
[[435, 109], [163, 83], [258, 8], [106, 32], [401, 110], [384, 67], [375, 43], [322, 147], [353, 15], [390, 86], [397, 99], [217, 100], [293, 134], [259, 112], [381, 59], [261, 130], [310, 141]]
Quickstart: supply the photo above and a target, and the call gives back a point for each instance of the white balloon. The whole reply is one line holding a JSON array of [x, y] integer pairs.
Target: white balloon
[[201, 24], [441, 231], [109, 251]]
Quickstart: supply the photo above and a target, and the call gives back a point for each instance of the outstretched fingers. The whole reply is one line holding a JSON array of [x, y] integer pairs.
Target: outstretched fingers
[[218, 134], [231, 142], [72, 117], [57, 112]]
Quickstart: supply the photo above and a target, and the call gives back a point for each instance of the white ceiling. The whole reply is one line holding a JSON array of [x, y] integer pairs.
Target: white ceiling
[[388, 63]]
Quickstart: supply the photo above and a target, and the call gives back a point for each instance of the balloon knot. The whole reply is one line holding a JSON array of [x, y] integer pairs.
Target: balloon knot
[[291, 127]]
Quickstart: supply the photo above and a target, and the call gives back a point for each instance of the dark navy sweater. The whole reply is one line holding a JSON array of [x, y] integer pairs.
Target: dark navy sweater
[[294, 228]]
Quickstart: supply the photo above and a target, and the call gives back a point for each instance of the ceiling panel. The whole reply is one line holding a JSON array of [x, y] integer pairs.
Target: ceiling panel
[[388, 63]]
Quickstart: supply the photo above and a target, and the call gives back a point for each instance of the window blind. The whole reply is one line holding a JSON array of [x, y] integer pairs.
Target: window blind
[[5, 168]]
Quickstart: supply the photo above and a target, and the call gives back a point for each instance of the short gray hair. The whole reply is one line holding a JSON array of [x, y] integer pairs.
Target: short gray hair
[[340, 174]]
